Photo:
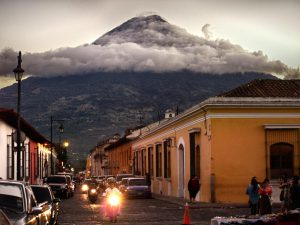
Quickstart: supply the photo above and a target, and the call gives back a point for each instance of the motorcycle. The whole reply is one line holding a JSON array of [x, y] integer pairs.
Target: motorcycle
[[93, 195], [113, 206]]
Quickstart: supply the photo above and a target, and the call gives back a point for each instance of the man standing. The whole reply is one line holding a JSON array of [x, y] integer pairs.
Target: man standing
[[295, 193]]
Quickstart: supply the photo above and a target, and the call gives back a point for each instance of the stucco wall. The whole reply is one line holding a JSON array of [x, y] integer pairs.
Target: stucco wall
[[4, 131], [239, 151]]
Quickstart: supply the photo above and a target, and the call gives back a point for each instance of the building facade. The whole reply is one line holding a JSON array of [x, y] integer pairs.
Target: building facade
[[35, 153], [253, 130], [119, 156]]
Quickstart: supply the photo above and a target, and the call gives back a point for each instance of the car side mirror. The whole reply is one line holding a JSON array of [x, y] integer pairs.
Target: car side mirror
[[56, 200], [36, 210]]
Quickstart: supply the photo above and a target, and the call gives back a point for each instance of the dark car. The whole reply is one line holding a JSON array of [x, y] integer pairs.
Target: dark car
[[73, 182], [137, 187], [42, 194], [18, 203], [120, 176], [60, 185]]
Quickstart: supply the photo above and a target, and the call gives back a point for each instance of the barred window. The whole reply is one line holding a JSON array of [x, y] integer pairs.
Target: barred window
[[10, 157], [158, 161]]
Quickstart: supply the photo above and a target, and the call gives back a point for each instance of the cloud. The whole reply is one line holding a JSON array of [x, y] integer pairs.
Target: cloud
[[206, 31], [147, 46]]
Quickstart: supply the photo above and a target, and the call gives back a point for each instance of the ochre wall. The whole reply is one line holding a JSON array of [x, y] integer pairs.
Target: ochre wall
[[239, 151], [232, 150]]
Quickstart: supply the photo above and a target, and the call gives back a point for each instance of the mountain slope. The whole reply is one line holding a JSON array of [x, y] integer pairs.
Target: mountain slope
[[98, 105]]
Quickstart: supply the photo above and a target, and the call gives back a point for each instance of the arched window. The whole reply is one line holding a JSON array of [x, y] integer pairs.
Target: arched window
[[281, 159]]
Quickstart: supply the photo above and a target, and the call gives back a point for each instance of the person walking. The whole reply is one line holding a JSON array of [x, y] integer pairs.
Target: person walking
[[295, 193], [193, 187], [284, 194], [148, 179], [252, 192], [265, 191]]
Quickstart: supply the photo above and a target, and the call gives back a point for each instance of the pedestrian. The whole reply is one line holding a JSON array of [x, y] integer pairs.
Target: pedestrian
[[284, 196], [148, 179], [193, 187], [295, 193], [265, 191], [252, 192]]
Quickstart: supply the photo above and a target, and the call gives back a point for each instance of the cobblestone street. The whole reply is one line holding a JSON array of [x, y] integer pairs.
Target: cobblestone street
[[78, 210]]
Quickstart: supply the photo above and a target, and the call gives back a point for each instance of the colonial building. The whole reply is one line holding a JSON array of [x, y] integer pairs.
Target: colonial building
[[253, 130], [119, 156], [98, 157], [35, 153]]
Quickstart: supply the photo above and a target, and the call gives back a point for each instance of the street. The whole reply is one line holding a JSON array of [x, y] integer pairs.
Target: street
[[78, 210]]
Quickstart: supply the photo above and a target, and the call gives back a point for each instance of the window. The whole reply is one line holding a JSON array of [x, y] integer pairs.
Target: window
[[36, 162], [27, 161], [281, 159], [10, 158], [144, 162], [158, 161], [167, 159], [150, 155], [169, 163], [22, 161]]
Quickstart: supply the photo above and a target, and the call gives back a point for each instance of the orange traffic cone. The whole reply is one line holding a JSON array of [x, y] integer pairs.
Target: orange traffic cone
[[186, 217]]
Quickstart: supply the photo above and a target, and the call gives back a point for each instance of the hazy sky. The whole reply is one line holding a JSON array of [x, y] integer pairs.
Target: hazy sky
[[38, 26]]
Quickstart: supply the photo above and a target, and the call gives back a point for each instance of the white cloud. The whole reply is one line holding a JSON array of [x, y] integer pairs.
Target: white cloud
[[147, 46]]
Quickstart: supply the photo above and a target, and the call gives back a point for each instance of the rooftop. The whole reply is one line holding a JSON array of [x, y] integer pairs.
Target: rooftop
[[266, 88]]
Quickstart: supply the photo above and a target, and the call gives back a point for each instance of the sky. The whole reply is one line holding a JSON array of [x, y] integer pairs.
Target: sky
[[36, 27]]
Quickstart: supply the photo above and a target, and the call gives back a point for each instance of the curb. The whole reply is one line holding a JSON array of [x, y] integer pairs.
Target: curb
[[199, 205]]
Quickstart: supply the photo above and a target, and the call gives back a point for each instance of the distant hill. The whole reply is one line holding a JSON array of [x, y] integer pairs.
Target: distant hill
[[98, 105]]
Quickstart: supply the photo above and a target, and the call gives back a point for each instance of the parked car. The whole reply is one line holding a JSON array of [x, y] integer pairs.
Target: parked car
[[72, 182], [120, 176], [60, 185], [18, 203], [137, 187], [123, 184], [42, 194], [71, 175]]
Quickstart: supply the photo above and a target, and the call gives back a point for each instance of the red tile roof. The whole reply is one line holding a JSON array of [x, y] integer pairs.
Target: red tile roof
[[10, 117], [266, 88]]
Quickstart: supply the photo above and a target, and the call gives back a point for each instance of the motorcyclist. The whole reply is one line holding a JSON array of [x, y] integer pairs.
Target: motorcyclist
[[111, 190], [93, 183]]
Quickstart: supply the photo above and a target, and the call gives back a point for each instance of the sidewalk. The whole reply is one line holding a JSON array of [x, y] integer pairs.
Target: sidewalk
[[197, 205]]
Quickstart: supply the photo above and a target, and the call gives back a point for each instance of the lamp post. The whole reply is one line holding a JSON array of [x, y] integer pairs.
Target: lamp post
[[61, 130], [18, 71]]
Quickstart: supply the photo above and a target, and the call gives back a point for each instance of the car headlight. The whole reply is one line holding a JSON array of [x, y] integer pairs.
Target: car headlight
[[84, 187], [93, 191]]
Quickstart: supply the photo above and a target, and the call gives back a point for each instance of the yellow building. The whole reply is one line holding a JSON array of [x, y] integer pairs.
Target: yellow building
[[119, 156], [253, 130]]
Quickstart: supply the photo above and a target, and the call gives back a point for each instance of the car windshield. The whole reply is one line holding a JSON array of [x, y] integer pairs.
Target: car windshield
[[42, 194], [11, 197], [119, 177], [56, 179], [137, 182], [87, 181]]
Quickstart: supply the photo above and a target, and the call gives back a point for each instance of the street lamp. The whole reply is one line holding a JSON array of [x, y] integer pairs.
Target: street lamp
[[18, 71], [61, 130]]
